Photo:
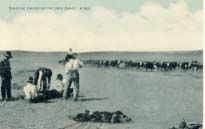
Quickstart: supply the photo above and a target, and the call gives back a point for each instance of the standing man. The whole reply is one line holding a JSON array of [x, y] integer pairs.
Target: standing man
[[72, 76], [70, 53], [6, 77]]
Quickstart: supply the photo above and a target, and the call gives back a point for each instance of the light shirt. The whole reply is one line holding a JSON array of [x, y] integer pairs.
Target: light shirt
[[73, 64], [30, 91], [61, 85]]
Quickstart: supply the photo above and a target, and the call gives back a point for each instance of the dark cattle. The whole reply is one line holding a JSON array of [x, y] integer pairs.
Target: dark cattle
[[134, 64], [165, 66], [113, 63], [106, 63], [158, 65], [100, 63], [200, 67], [185, 65], [149, 65], [172, 65], [196, 67], [142, 64]]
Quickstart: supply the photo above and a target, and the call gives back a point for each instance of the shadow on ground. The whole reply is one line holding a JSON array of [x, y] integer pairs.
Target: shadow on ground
[[92, 99]]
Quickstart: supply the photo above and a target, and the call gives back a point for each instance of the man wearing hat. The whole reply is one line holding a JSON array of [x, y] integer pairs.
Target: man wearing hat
[[70, 53], [61, 85], [72, 76], [5, 73], [30, 90]]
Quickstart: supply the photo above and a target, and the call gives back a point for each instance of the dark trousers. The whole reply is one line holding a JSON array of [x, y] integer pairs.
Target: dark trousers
[[6, 88], [43, 86], [72, 77], [68, 91]]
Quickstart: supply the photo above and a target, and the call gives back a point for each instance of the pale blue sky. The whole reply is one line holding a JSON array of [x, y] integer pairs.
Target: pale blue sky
[[120, 25], [117, 5]]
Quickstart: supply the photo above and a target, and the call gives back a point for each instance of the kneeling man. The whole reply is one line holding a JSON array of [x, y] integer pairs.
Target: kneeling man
[[30, 90], [61, 86]]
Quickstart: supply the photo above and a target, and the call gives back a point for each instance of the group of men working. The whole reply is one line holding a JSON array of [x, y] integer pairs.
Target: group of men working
[[38, 87]]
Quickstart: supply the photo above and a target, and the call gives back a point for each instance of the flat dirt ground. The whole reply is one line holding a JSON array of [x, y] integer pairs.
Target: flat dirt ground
[[154, 100]]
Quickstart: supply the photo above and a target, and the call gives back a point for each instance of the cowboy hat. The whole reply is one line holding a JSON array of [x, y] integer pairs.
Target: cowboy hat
[[8, 54], [30, 79], [59, 77]]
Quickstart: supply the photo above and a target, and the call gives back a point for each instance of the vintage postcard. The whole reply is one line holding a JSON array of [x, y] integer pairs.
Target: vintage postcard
[[101, 64]]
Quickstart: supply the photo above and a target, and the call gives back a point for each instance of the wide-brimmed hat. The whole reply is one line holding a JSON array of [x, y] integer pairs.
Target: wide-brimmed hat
[[30, 79], [59, 77], [8, 54]]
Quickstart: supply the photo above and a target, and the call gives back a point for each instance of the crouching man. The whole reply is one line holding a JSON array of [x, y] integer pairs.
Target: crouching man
[[43, 79], [30, 90], [61, 86]]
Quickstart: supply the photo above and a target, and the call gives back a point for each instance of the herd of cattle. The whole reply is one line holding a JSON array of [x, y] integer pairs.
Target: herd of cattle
[[140, 65], [147, 65]]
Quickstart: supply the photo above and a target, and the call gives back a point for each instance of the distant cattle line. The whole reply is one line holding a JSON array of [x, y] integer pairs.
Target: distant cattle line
[[147, 65], [144, 65]]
